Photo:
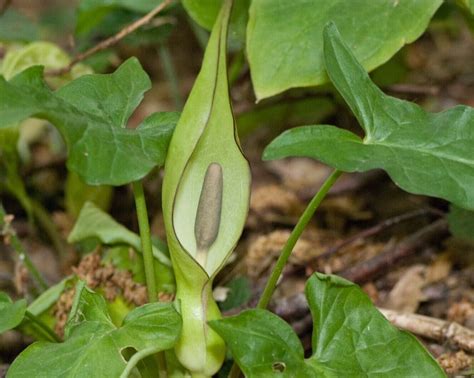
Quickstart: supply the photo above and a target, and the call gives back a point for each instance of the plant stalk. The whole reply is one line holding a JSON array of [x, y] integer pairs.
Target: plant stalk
[[43, 327], [288, 248], [148, 259], [294, 236], [145, 236]]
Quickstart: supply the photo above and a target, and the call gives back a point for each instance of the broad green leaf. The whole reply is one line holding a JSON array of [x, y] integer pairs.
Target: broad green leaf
[[461, 223], [47, 299], [11, 313], [91, 113], [14, 26], [205, 168], [42, 53], [93, 223], [350, 338], [424, 153], [239, 293], [205, 12], [77, 193], [285, 44], [94, 345], [92, 12]]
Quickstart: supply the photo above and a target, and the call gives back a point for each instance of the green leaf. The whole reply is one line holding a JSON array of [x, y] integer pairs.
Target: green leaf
[[91, 113], [205, 169], [12, 313], [93, 223], [285, 44], [239, 293], [461, 223], [77, 193], [282, 115], [424, 153], [350, 338], [42, 53], [94, 346], [205, 12], [469, 4], [91, 12]]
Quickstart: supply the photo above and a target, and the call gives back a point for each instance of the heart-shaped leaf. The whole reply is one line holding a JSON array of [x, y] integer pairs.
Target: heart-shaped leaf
[[12, 313], [91, 113], [350, 338], [94, 346], [424, 153], [285, 44]]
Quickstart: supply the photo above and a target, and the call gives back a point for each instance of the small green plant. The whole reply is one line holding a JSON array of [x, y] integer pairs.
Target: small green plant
[[205, 196]]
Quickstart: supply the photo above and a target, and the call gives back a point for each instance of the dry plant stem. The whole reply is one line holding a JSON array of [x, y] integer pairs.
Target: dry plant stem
[[380, 227], [48, 332], [114, 39], [372, 268], [15, 242], [432, 328], [294, 236]]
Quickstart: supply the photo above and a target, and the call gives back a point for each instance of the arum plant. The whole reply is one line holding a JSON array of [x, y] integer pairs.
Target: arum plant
[[206, 192]]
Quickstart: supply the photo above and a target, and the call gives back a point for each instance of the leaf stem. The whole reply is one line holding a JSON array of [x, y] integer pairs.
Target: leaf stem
[[288, 248], [43, 327], [145, 236], [294, 236], [8, 232]]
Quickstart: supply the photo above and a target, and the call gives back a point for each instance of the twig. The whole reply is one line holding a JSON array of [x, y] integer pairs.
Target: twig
[[432, 328], [387, 223], [106, 43], [367, 270], [414, 89]]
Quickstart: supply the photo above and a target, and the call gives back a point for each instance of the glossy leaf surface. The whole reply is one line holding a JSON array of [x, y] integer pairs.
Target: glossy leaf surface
[[424, 153], [94, 345], [91, 113], [350, 338], [285, 44]]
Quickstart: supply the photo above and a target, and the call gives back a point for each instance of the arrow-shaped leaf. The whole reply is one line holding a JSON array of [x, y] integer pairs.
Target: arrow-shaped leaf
[[351, 338], [91, 113], [94, 346], [424, 153]]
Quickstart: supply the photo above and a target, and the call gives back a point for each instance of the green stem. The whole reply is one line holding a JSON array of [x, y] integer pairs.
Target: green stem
[[20, 250], [43, 327], [294, 236], [144, 226], [170, 72], [288, 248]]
